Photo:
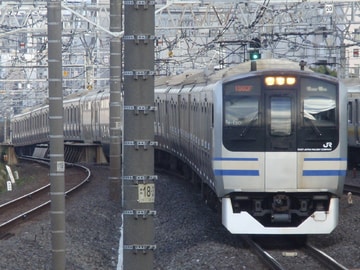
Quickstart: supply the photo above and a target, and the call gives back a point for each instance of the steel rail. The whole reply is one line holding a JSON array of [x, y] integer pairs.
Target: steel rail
[[2, 206], [270, 261], [323, 258], [5, 226], [355, 190]]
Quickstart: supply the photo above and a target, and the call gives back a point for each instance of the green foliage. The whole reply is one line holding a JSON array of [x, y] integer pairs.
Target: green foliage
[[3, 178], [2, 186], [324, 70]]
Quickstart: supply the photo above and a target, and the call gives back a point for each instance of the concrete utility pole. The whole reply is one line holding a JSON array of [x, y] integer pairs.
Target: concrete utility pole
[[57, 165], [138, 136], [115, 100]]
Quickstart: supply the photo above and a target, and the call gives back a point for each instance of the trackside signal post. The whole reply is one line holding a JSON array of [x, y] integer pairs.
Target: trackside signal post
[[138, 179]]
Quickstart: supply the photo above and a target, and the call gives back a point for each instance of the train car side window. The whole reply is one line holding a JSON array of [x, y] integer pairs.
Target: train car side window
[[212, 115], [350, 112], [356, 120]]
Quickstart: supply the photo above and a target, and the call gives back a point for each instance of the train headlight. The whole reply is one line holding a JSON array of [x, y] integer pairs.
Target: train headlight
[[270, 81], [290, 80], [279, 80]]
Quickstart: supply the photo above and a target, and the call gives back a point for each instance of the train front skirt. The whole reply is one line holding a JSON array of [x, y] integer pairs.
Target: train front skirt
[[320, 222]]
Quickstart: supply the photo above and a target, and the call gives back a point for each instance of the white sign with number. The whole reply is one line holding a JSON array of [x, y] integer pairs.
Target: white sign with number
[[10, 174], [329, 9], [146, 193], [60, 166], [9, 185]]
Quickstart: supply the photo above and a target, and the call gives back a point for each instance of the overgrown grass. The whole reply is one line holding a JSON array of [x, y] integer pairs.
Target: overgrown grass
[[4, 177]]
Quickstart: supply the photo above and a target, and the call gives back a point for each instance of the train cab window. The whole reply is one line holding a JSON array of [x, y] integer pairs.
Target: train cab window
[[241, 111], [242, 124], [319, 101], [297, 117], [280, 116], [320, 110], [319, 128]]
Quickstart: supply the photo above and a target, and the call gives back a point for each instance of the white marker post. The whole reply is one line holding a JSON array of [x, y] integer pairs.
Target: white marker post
[[9, 171]]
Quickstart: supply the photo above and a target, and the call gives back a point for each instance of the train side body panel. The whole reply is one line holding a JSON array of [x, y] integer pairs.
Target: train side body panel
[[86, 119]]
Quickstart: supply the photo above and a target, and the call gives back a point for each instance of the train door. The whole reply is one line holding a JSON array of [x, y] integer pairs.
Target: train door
[[356, 121], [280, 140], [353, 121]]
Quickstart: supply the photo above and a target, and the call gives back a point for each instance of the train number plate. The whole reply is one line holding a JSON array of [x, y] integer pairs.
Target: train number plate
[[146, 193]]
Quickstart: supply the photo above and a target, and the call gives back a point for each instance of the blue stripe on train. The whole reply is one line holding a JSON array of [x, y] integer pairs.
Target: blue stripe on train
[[256, 172], [325, 159], [234, 159], [324, 173], [236, 172]]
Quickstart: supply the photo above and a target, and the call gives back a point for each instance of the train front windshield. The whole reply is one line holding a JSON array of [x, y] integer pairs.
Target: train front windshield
[[280, 113]]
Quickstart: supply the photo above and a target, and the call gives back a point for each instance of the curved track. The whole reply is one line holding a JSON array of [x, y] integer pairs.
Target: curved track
[[16, 210], [323, 258]]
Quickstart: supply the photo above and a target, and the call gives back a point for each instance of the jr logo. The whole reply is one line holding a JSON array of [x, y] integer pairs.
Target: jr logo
[[327, 145]]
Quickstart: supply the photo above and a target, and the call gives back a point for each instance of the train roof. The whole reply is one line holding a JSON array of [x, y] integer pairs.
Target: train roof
[[68, 98], [211, 75]]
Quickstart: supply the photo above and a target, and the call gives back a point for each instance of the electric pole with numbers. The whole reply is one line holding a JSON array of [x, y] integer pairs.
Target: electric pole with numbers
[[56, 136], [138, 179], [115, 100]]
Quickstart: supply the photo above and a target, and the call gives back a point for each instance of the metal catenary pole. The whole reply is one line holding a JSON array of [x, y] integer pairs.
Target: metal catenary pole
[[138, 178], [115, 100], [57, 166]]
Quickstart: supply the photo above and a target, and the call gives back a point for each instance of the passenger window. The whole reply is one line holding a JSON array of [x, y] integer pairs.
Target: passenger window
[[350, 112]]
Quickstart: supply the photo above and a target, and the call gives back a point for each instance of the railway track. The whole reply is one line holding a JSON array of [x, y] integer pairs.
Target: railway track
[[270, 261], [17, 210], [355, 190]]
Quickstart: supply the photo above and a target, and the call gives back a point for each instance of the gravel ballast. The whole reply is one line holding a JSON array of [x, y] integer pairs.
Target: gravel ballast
[[92, 231], [188, 234]]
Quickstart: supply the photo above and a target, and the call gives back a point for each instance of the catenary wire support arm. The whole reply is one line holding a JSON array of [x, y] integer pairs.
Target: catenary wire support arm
[[114, 34]]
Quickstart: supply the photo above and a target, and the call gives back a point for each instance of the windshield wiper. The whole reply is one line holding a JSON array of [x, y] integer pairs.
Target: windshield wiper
[[247, 127], [314, 127]]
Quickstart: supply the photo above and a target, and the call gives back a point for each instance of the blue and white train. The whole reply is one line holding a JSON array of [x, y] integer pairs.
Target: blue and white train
[[269, 145]]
